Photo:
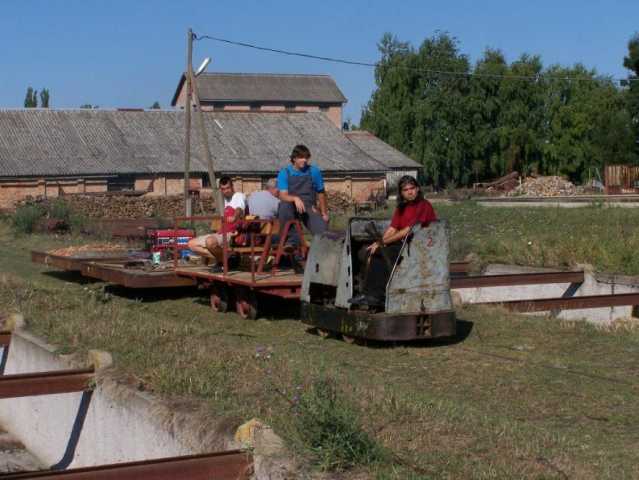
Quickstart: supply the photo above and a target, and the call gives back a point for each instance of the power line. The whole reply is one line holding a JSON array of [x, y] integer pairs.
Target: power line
[[421, 70]]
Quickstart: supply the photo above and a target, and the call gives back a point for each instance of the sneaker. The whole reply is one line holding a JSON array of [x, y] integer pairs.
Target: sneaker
[[216, 268], [367, 300], [298, 266]]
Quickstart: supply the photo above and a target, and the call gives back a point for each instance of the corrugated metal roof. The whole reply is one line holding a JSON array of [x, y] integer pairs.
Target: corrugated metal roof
[[85, 142], [265, 87], [381, 151]]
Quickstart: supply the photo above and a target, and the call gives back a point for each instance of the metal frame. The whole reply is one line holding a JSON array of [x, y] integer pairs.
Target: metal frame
[[71, 264], [510, 280], [568, 303], [230, 465], [135, 278], [46, 383], [5, 338], [379, 326]]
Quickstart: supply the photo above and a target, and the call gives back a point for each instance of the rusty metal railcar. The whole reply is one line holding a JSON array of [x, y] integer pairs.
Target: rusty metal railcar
[[418, 302]]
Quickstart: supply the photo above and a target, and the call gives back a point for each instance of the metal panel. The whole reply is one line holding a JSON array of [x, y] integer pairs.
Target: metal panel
[[420, 281], [379, 326], [323, 262], [345, 278], [231, 465]]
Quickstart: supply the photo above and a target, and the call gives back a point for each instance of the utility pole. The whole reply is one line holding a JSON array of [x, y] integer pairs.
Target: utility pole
[[215, 192], [187, 122]]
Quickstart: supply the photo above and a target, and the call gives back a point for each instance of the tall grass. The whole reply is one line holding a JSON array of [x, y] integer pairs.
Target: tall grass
[[326, 428], [26, 218]]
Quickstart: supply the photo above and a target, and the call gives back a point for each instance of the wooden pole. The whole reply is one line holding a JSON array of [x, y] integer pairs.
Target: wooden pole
[[215, 192], [187, 122]]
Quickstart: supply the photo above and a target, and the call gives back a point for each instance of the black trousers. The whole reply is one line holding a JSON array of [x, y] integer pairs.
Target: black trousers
[[376, 276], [311, 220]]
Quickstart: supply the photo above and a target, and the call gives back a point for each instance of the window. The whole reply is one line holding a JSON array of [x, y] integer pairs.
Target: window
[[217, 106], [289, 107], [323, 108], [255, 106], [121, 183]]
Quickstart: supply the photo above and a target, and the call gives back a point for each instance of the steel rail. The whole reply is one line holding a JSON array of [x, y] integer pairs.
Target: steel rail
[[231, 465], [568, 303], [459, 267], [510, 280], [45, 383]]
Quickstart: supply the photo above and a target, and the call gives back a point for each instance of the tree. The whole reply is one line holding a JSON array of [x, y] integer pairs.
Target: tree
[[468, 123], [31, 99], [631, 62], [88, 106], [44, 98], [155, 106]]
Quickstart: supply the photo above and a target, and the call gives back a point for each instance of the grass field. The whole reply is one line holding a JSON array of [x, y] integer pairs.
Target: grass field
[[605, 237], [511, 397]]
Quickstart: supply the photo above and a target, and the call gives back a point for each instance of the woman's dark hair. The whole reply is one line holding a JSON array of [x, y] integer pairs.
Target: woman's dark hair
[[225, 180], [300, 151], [407, 180]]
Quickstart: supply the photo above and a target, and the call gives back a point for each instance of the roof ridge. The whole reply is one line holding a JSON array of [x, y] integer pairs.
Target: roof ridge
[[268, 74]]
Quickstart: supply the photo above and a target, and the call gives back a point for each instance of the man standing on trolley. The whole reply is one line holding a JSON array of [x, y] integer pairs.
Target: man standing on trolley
[[302, 195]]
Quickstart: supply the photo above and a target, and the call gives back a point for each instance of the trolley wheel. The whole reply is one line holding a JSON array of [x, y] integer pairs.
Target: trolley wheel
[[323, 333], [246, 304], [220, 298]]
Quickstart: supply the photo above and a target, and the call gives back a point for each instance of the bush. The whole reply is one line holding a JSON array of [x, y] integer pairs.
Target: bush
[[326, 427], [27, 217], [59, 209]]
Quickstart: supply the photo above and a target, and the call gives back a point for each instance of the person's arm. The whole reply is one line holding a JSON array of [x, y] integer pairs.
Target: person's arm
[[238, 202], [318, 184], [282, 185], [391, 235], [323, 205], [299, 205]]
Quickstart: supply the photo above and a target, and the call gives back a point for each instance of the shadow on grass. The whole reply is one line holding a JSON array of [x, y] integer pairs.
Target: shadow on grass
[[154, 294], [464, 329], [75, 277], [270, 307]]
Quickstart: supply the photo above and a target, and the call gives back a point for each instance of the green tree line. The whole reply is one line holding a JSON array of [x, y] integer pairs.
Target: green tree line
[[31, 98], [471, 122]]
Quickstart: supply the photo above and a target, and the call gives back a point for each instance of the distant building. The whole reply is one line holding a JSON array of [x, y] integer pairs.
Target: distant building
[[53, 152], [261, 91], [396, 162]]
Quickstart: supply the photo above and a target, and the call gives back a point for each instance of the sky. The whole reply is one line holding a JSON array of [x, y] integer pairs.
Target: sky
[[116, 53]]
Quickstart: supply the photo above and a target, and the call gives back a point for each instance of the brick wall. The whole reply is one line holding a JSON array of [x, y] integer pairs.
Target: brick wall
[[358, 188]]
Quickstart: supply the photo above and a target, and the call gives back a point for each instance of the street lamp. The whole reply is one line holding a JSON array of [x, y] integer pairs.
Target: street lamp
[[202, 67]]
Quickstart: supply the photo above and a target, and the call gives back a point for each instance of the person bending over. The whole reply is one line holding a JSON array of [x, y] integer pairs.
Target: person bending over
[[381, 255]]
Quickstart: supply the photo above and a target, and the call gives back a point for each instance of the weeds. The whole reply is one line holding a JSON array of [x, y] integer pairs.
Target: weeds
[[326, 427], [26, 218]]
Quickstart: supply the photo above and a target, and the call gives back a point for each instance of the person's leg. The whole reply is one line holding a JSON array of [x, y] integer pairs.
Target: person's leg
[[286, 212], [315, 223], [198, 245], [379, 272], [214, 247]]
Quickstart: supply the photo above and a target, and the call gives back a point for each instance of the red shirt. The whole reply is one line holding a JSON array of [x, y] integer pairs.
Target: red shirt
[[420, 211], [229, 225]]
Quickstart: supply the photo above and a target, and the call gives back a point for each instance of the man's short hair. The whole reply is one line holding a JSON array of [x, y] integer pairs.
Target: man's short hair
[[225, 180], [271, 183], [300, 151]]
